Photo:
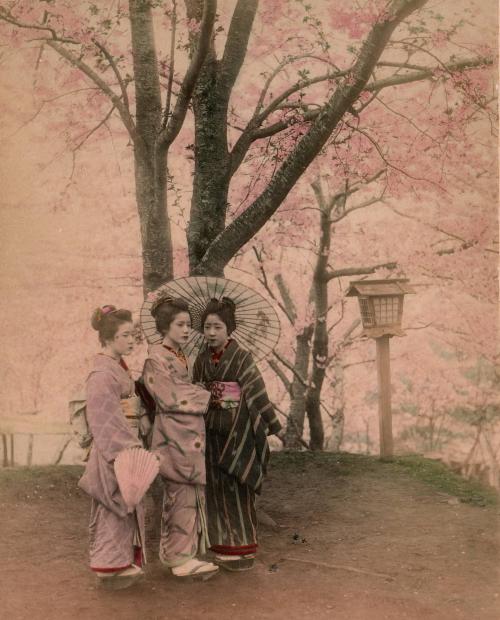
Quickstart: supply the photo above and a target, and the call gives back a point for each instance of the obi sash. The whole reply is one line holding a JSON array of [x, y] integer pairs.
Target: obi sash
[[131, 408], [225, 394]]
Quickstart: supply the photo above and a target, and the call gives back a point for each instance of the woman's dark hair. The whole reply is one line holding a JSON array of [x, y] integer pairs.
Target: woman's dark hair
[[107, 320], [225, 309], [165, 311]]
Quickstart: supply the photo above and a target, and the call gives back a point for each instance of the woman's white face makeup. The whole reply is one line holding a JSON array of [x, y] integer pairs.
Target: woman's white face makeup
[[179, 330], [215, 331], [123, 342]]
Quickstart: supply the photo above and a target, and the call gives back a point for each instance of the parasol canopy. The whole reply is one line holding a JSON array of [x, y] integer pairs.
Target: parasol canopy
[[257, 324]]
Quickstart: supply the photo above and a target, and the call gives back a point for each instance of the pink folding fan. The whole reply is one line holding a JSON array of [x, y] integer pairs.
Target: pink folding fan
[[135, 470]]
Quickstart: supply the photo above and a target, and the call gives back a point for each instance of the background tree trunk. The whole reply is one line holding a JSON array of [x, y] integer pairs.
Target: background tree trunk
[[295, 423], [150, 162], [320, 341], [337, 418]]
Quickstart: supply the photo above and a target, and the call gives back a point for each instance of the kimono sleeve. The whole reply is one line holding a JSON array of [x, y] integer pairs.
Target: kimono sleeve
[[257, 400], [171, 394], [108, 425]]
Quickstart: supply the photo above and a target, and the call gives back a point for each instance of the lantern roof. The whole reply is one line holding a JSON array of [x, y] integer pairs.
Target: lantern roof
[[379, 288]]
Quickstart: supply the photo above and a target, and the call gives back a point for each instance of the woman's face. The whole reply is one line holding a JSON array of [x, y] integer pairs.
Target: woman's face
[[215, 331], [179, 329], [123, 342]]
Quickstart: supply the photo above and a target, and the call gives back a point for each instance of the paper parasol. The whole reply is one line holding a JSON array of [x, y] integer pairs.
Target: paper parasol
[[135, 470], [257, 324]]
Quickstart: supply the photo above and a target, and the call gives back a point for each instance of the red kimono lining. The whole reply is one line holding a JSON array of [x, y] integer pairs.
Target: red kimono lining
[[228, 550]]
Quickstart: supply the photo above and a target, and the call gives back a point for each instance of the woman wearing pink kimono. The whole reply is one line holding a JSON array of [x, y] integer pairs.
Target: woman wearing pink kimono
[[179, 442], [116, 537]]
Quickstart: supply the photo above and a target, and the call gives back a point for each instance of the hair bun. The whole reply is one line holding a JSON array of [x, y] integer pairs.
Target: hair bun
[[165, 299], [229, 303], [99, 314]]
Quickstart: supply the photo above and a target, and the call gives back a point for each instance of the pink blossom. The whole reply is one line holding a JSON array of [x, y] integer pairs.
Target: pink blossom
[[193, 26]]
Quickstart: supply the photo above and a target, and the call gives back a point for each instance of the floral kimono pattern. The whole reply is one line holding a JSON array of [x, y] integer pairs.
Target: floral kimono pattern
[[179, 442]]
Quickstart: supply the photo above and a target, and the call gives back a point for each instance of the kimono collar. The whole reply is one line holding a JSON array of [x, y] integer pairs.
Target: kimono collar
[[178, 354], [215, 356], [103, 361]]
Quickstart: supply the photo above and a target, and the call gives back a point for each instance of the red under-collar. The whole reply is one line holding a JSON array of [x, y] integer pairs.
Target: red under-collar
[[121, 361], [216, 355]]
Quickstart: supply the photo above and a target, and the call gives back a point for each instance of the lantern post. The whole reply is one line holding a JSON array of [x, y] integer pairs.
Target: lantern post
[[381, 307]]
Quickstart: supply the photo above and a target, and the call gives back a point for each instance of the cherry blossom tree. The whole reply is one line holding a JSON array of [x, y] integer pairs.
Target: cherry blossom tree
[[272, 129], [447, 232]]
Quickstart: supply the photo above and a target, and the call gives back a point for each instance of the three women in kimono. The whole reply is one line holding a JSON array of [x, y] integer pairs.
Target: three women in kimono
[[239, 419], [179, 442], [116, 537], [210, 435]]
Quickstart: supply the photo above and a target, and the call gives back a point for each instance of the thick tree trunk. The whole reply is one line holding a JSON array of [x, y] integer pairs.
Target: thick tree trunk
[[150, 162], [211, 177], [245, 226], [155, 227], [212, 173]]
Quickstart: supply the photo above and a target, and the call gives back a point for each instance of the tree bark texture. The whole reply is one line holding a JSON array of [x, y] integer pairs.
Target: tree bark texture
[[295, 424], [150, 164]]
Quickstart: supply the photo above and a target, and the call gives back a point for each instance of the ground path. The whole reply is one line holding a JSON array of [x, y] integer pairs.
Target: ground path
[[358, 540]]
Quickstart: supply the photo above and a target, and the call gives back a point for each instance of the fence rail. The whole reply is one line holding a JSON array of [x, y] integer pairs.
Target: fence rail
[[28, 449]]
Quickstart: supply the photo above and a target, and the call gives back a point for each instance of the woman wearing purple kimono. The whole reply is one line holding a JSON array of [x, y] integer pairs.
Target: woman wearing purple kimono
[[179, 442], [116, 536], [239, 419]]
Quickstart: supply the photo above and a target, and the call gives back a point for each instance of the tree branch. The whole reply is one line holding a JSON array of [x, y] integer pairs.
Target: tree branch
[[281, 375], [301, 84], [170, 82], [236, 44], [245, 226], [341, 197], [418, 76], [103, 86], [464, 243], [168, 135], [291, 311], [265, 283], [116, 71], [271, 107], [290, 366], [302, 441], [383, 157], [252, 133], [358, 271], [275, 128], [9, 18], [94, 129]]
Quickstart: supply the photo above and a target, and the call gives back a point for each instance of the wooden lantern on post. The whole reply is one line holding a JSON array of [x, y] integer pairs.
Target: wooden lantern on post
[[381, 307]]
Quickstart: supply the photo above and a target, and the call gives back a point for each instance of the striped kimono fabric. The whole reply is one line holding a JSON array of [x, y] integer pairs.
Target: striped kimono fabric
[[237, 451]]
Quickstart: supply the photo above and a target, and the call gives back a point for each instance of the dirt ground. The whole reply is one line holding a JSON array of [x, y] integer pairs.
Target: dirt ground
[[358, 539]]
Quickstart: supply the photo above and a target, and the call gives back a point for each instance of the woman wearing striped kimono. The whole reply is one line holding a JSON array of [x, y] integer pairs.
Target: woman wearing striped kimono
[[116, 536], [238, 421], [179, 442]]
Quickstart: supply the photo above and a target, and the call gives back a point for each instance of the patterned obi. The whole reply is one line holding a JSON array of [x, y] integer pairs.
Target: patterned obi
[[225, 394], [131, 408]]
